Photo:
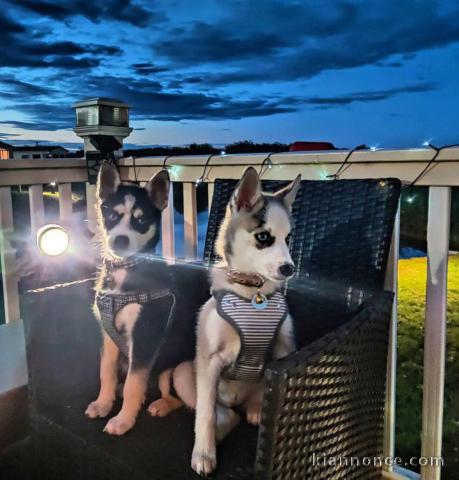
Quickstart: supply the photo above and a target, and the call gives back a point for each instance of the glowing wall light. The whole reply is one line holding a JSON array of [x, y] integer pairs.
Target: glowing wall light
[[52, 240]]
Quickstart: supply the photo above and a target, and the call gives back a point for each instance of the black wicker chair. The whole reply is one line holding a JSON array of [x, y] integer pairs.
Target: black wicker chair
[[326, 400]]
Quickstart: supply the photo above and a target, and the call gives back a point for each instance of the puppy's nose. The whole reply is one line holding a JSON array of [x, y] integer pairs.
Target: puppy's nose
[[287, 269], [121, 242]]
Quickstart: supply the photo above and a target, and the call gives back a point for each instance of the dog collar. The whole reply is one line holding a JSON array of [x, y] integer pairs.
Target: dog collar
[[245, 278], [129, 262], [259, 300], [125, 263]]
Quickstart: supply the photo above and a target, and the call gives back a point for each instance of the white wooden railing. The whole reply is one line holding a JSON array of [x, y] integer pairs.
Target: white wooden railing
[[404, 164]]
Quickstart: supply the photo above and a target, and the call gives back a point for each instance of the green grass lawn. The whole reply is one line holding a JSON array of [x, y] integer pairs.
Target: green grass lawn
[[412, 286]]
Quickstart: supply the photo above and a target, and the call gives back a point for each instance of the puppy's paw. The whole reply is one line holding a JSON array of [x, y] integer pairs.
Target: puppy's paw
[[119, 425], [254, 414], [163, 406], [98, 409], [203, 464]]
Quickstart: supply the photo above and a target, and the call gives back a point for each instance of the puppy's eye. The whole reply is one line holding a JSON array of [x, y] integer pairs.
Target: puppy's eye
[[112, 216], [141, 221], [263, 237]]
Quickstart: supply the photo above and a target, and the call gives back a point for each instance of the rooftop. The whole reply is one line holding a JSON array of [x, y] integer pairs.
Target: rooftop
[[111, 102], [31, 148], [40, 148]]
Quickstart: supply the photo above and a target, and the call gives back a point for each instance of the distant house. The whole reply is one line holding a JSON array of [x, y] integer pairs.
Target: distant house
[[6, 151], [39, 151]]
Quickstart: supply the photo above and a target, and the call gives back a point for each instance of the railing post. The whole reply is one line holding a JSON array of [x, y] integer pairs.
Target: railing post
[[9, 276], [167, 227], [37, 208], [65, 202], [210, 195], [190, 221], [435, 328], [392, 284], [91, 207]]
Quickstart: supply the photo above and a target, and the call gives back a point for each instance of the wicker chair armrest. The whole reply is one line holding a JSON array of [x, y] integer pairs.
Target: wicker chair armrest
[[327, 400]]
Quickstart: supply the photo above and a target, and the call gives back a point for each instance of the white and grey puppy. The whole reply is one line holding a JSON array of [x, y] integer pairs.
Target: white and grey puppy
[[253, 238]]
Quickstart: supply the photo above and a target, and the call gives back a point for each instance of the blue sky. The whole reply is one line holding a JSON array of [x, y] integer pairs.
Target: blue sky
[[350, 72]]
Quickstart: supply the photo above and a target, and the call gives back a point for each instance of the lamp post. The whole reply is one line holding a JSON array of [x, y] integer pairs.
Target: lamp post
[[103, 123]]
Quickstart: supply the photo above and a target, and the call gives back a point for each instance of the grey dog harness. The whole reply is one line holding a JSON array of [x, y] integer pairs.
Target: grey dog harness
[[257, 330], [110, 304]]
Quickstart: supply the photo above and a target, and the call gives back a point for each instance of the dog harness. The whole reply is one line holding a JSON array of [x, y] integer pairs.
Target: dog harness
[[110, 304], [256, 328]]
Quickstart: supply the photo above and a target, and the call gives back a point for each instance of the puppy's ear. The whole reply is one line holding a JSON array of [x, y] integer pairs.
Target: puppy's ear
[[288, 193], [248, 191], [158, 188], [108, 180]]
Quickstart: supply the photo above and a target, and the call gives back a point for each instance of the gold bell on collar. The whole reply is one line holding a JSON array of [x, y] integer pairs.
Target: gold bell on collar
[[259, 301]]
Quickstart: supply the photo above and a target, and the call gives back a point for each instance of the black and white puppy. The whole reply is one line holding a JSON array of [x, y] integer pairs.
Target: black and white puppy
[[146, 307], [246, 322]]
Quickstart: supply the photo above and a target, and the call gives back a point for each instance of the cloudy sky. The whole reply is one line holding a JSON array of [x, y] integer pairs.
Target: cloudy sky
[[380, 72]]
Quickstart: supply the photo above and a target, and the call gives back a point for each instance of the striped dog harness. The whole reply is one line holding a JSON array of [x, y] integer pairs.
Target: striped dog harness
[[257, 330], [110, 304]]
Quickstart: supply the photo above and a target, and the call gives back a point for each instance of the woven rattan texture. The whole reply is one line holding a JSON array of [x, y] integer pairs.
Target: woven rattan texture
[[342, 229], [328, 400]]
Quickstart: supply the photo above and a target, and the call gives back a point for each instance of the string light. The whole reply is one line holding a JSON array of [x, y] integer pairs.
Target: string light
[[53, 185], [268, 163], [174, 170], [203, 176], [432, 161], [335, 176]]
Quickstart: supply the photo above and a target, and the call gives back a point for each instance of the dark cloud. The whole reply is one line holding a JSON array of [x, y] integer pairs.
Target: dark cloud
[[6, 136], [287, 42], [19, 88], [254, 30], [38, 124], [9, 27], [193, 80], [68, 62], [369, 96], [95, 10], [208, 43], [43, 116], [150, 101], [22, 52], [147, 68], [389, 64]]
